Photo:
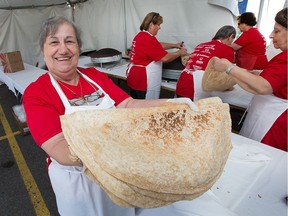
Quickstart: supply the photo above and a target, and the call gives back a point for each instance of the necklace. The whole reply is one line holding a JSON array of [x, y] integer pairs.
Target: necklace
[[74, 93], [82, 99]]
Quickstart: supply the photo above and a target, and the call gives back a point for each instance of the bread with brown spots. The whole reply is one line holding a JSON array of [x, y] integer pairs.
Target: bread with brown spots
[[152, 156]]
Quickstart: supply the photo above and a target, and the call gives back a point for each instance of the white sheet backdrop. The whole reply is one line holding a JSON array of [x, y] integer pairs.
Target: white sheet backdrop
[[19, 30], [114, 23]]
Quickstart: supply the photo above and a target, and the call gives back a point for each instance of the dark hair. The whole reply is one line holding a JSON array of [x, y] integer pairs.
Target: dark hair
[[281, 17], [153, 17], [225, 32], [247, 18], [50, 27]]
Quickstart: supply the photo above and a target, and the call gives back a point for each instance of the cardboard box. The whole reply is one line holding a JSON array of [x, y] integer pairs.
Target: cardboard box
[[21, 125], [12, 61]]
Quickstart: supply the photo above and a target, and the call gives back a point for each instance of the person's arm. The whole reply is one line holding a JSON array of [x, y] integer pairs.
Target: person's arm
[[170, 56], [235, 46], [171, 45], [57, 148], [244, 78]]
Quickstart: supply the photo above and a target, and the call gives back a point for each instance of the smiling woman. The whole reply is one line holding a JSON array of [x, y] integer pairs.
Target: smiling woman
[[61, 51], [63, 90], [52, 94]]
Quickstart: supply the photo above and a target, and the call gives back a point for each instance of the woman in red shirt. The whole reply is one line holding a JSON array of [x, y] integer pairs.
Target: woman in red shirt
[[144, 73], [250, 47], [64, 89]]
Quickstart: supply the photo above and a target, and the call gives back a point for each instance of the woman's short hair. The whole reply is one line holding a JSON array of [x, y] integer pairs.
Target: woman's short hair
[[50, 27], [281, 17], [153, 17], [225, 32], [247, 18]]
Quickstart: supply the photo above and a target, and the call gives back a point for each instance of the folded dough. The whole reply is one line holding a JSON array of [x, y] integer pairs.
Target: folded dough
[[215, 80], [150, 157]]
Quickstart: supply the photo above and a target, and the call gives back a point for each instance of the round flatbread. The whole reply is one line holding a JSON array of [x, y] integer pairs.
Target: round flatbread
[[215, 80], [150, 157]]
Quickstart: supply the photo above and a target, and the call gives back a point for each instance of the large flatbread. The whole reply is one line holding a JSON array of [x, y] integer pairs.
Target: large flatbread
[[215, 80], [118, 191], [150, 157]]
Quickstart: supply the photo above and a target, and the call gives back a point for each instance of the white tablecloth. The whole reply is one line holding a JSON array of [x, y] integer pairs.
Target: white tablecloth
[[253, 183], [21, 79]]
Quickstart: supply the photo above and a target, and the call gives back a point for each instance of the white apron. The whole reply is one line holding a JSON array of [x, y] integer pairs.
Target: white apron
[[197, 79], [262, 113], [76, 194], [154, 78]]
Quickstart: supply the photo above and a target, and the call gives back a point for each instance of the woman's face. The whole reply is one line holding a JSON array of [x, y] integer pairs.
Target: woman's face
[[154, 28], [279, 37], [241, 26], [61, 52]]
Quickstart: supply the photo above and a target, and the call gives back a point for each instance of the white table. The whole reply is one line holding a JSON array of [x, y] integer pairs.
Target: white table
[[253, 183], [18, 81]]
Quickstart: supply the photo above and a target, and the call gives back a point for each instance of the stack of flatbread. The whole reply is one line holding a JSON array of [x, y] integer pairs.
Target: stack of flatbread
[[215, 80], [151, 157]]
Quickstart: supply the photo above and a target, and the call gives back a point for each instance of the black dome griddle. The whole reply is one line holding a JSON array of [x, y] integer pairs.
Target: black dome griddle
[[105, 55]]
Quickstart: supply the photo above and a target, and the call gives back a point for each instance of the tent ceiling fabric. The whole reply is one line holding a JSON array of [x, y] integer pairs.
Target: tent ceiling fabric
[[109, 23], [29, 3]]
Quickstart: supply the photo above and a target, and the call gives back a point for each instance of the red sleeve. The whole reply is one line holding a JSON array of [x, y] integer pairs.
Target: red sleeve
[[225, 51], [43, 107], [276, 74], [243, 40], [252, 42], [145, 49], [156, 51]]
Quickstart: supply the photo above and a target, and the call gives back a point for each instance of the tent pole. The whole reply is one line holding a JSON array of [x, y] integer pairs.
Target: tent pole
[[73, 13], [125, 27], [261, 7]]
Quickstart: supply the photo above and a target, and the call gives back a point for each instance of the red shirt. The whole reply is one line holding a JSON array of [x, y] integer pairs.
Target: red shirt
[[43, 105], [198, 60], [145, 49], [276, 74], [252, 55]]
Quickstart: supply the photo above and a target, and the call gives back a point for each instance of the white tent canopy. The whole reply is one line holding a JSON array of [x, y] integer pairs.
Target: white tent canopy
[[13, 4], [112, 23]]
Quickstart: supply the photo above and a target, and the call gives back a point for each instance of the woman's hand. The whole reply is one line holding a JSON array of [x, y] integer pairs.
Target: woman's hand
[[179, 45], [183, 51], [57, 148], [220, 64]]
